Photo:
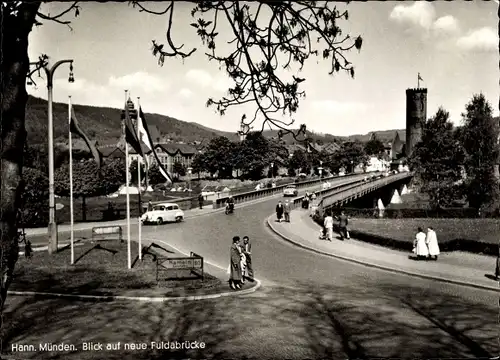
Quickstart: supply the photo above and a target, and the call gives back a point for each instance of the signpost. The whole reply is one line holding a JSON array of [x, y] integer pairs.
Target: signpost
[[193, 263]]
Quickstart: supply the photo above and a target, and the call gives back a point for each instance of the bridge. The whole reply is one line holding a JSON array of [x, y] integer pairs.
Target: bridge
[[310, 306]]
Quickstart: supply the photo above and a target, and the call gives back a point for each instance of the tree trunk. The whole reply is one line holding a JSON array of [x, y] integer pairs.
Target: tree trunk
[[15, 29]]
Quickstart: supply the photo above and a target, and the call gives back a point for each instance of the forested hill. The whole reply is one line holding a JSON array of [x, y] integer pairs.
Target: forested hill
[[103, 124]]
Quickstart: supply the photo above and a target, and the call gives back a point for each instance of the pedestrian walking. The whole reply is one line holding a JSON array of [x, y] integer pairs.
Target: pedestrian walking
[[419, 245], [432, 243], [247, 250], [343, 221], [286, 210], [28, 250], [235, 265], [279, 211], [200, 200], [329, 226], [150, 206]]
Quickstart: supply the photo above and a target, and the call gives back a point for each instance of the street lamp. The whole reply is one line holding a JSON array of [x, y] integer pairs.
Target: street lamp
[[52, 227], [190, 171]]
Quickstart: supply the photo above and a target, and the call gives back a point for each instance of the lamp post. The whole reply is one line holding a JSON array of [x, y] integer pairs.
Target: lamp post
[[52, 226], [189, 171]]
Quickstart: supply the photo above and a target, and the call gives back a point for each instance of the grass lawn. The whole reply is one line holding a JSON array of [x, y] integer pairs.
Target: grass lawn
[[480, 230], [100, 272]]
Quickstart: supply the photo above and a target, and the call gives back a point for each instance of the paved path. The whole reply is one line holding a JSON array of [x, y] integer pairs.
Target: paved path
[[460, 267], [310, 306]]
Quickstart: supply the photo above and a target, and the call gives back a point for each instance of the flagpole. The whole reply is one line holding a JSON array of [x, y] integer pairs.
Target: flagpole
[[127, 180], [139, 181], [71, 183], [418, 81]]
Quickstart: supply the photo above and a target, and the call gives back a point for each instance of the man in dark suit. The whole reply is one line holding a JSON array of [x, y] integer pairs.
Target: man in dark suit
[[279, 211], [343, 221]]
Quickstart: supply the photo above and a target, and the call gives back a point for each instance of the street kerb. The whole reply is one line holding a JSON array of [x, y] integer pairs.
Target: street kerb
[[269, 222], [152, 299]]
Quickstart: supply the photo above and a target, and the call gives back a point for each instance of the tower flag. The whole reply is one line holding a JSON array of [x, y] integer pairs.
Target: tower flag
[[419, 79]]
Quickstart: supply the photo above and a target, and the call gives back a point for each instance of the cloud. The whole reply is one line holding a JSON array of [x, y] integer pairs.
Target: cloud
[[420, 13], [337, 106], [199, 77], [139, 80], [483, 39], [186, 93], [202, 78], [446, 24]]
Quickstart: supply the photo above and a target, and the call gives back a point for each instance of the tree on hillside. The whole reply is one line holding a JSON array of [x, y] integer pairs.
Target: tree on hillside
[[374, 147], [299, 162], [480, 134], [179, 169], [437, 160], [298, 29], [350, 155], [154, 175], [89, 181], [133, 172], [253, 154], [198, 164], [217, 157]]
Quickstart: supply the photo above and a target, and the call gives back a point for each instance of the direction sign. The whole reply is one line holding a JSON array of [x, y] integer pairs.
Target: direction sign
[[59, 206], [182, 263]]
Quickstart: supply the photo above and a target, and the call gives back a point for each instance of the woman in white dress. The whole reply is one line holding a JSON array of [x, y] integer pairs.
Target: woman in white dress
[[432, 243], [420, 246]]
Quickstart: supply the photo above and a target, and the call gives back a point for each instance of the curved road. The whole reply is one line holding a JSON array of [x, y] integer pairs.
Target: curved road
[[310, 306]]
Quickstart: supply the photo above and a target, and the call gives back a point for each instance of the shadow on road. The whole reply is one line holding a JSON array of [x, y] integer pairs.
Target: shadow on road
[[293, 322]]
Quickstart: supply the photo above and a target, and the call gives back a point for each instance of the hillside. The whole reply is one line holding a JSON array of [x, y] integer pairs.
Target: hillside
[[382, 135], [103, 124]]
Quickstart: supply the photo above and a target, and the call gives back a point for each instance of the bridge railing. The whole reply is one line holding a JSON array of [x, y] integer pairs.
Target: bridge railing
[[356, 190], [257, 194]]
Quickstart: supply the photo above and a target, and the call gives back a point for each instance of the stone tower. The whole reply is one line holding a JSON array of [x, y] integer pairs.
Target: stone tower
[[416, 115]]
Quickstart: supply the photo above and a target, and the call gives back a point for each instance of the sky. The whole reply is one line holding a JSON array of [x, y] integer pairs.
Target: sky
[[453, 45]]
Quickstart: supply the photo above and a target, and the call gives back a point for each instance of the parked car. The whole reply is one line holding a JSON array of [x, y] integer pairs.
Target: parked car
[[290, 190], [162, 213]]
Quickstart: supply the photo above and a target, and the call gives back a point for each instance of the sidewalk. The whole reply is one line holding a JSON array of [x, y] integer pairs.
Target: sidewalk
[[453, 267]]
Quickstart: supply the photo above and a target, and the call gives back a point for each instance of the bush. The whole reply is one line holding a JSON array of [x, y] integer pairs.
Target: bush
[[35, 199]]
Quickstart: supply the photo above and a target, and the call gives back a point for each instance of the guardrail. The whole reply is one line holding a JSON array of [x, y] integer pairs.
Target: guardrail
[[257, 194], [357, 190]]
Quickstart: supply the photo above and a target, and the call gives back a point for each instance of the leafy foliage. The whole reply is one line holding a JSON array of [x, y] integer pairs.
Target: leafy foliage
[[88, 181], [266, 36], [179, 169], [133, 172], [154, 175], [350, 155], [480, 135], [437, 161], [217, 157], [35, 198], [374, 147], [299, 162]]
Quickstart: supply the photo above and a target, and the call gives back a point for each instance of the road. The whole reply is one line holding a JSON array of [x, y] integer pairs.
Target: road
[[310, 306]]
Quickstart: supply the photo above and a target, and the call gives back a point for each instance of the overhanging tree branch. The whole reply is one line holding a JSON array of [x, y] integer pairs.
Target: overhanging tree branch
[[260, 45]]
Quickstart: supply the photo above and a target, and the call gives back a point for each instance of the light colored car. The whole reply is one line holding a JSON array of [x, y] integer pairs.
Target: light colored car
[[290, 190], [162, 213]]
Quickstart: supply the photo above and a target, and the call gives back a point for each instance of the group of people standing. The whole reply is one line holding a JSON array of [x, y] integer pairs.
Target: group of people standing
[[283, 209], [327, 231], [426, 246], [240, 265]]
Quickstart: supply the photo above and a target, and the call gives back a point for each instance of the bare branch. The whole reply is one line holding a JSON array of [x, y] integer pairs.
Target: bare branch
[[56, 18], [259, 51]]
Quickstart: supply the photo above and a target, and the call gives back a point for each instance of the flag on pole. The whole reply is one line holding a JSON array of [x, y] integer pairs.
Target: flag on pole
[[145, 137], [75, 129], [420, 78], [130, 134]]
